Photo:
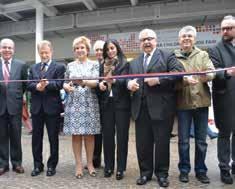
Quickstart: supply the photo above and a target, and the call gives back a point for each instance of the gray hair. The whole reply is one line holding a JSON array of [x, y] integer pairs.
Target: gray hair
[[187, 29], [7, 40], [150, 33], [229, 17], [44, 43], [99, 44]]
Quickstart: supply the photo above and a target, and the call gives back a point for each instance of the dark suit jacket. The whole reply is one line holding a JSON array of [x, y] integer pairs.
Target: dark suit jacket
[[49, 99], [223, 88], [120, 92], [161, 98], [11, 96]]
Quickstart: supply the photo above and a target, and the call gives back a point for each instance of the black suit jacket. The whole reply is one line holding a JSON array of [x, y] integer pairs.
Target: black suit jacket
[[11, 95], [161, 98], [49, 99], [121, 95]]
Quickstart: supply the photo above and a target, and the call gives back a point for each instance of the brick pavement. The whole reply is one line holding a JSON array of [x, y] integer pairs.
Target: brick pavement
[[65, 179]]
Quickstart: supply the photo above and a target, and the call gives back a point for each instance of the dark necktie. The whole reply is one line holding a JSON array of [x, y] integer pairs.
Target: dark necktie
[[43, 67], [6, 72], [145, 64]]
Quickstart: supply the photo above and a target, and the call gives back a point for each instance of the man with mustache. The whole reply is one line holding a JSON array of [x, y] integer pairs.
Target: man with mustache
[[153, 105], [222, 56]]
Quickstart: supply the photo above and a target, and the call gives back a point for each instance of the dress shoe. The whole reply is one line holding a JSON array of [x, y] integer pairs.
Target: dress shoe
[[108, 173], [183, 177], [142, 180], [226, 177], [18, 169], [97, 164], [3, 170], [119, 175], [233, 169], [36, 172], [163, 182], [203, 178], [51, 171]]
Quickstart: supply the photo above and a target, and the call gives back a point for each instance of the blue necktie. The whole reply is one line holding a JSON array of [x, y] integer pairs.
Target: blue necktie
[[145, 65]]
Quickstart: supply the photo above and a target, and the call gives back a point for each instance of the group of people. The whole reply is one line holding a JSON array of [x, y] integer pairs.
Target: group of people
[[99, 104]]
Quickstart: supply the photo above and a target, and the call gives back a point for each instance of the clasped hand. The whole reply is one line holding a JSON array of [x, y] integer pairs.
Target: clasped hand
[[42, 85]]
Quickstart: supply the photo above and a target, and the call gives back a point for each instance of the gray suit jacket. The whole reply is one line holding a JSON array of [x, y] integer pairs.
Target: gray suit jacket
[[161, 99], [11, 95]]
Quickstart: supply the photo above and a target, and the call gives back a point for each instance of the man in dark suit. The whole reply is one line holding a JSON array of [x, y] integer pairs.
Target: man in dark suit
[[98, 49], [11, 101], [223, 92], [153, 108], [46, 107]]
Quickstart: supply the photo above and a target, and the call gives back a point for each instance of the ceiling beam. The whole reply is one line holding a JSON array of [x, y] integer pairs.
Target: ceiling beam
[[61, 2], [48, 11], [89, 4], [134, 2], [12, 16]]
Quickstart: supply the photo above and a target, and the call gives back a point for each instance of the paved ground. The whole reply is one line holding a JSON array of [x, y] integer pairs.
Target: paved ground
[[65, 179]]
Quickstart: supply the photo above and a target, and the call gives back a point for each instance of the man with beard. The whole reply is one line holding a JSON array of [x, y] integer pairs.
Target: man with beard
[[153, 108], [222, 56]]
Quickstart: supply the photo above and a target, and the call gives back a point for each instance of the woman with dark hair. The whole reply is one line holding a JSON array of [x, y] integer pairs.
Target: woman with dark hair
[[115, 108]]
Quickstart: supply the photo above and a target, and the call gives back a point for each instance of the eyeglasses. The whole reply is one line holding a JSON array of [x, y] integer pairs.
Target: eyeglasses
[[229, 28], [147, 38]]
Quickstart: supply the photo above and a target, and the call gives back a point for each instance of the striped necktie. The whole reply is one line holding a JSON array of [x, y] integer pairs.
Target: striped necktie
[[6, 72]]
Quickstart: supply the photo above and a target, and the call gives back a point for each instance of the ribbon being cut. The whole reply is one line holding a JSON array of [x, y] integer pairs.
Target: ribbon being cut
[[132, 76]]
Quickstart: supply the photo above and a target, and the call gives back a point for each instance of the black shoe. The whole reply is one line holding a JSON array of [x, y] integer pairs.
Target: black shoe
[[51, 171], [183, 177], [3, 170], [97, 163], [163, 182], [226, 177], [203, 178], [233, 169], [142, 180], [119, 175], [36, 172], [108, 173]]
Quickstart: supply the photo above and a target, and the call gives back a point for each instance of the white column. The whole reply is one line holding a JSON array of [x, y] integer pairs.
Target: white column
[[39, 30]]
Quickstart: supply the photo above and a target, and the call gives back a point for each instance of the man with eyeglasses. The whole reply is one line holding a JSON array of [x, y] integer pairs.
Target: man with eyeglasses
[[153, 108], [222, 56]]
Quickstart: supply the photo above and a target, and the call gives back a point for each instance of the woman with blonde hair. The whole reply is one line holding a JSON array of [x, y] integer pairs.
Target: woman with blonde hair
[[81, 117]]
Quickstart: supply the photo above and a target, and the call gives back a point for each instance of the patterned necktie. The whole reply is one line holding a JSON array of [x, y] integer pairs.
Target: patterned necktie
[[6, 72], [145, 65], [44, 67]]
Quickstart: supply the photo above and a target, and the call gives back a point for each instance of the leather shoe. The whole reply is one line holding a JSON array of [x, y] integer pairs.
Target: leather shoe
[[108, 173], [36, 172], [183, 177], [163, 182], [51, 171], [3, 170], [226, 177], [119, 175], [18, 169], [202, 177], [142, 180]]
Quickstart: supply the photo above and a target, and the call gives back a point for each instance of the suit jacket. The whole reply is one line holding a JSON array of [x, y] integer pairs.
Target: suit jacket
[[161, 98], [120, 92], [11, 95], [223, 88], [49, 99]]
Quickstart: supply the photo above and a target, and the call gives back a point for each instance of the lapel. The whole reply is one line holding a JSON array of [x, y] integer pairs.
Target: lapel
[[13, 69], [50, 70], [140, 63], [154, 59]]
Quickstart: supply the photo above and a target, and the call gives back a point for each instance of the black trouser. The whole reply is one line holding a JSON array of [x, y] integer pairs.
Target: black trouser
[[52, 124], [153, 143], [226, 147], [119, 120], [10, 140], [97, 150]]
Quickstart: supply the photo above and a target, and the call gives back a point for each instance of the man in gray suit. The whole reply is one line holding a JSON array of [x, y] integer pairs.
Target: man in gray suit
[[11, 100], [153, 106]]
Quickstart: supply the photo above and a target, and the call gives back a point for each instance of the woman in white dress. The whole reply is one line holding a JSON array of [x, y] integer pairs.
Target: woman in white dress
[[81, 117]]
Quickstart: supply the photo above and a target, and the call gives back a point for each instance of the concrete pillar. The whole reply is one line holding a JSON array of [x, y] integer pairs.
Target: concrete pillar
[[39, 30]]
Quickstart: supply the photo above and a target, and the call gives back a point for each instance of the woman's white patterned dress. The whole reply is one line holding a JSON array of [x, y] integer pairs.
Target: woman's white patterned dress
[[81, 115]]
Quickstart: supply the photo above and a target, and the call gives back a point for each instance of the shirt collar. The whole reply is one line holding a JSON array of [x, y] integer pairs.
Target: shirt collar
[[150, 54], [9, 61]]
